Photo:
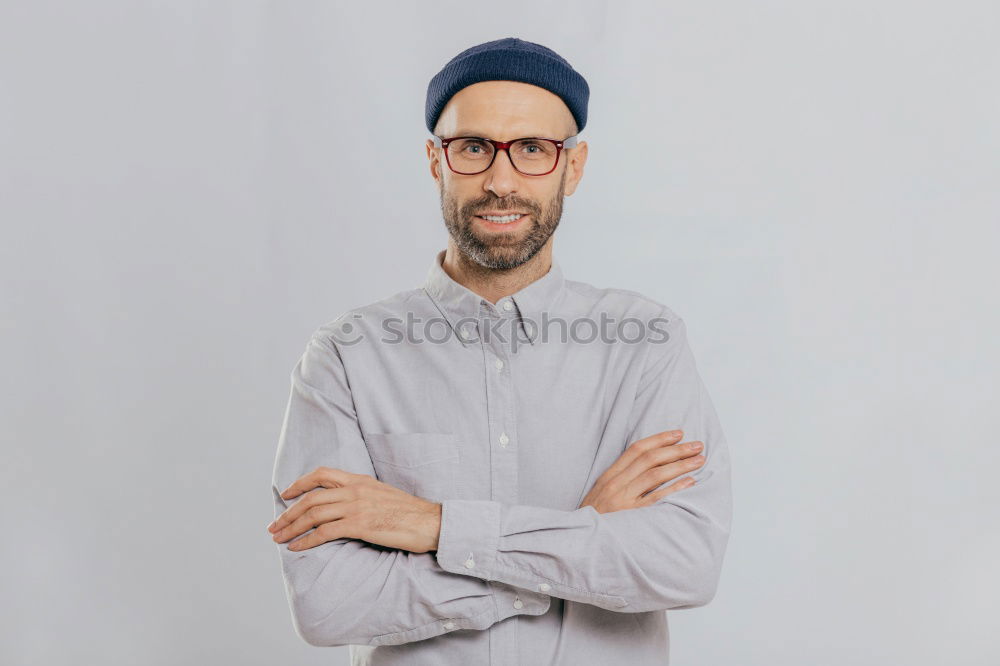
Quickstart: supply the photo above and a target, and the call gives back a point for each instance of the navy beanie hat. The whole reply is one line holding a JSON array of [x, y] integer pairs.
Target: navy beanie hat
[[509, 59]]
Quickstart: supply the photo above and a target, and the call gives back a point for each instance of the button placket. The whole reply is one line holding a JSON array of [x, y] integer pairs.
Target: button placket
[[499, 388], [501, 433]]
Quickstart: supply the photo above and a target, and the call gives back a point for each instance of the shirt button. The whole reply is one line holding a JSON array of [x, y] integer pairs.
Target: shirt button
[[504, 439], [469, 563], [449, 625], [499, 364], [544, 587], [508, 306], [518, 603]]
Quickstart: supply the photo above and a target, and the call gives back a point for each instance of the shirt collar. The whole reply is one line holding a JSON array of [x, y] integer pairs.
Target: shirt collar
[[458, 302]]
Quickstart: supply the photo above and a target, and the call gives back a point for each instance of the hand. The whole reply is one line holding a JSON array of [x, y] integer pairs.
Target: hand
[[644, 465], [356, 506]]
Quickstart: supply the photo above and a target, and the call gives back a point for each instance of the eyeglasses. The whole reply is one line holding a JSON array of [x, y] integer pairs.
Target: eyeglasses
[[532, 156]]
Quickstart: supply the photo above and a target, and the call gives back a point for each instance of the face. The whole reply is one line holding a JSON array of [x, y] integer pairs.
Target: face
[[504, 110]]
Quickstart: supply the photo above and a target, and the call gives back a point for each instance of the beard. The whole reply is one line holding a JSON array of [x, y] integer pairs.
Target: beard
[[501, 250]]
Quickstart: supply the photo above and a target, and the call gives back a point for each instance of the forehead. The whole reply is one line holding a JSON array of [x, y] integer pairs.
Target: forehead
[[505, 110]]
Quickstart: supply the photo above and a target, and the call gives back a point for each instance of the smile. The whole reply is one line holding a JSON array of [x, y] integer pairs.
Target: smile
[[502, 219]]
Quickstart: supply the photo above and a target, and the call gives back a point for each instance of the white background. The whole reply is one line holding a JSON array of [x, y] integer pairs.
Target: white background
[[187, 190]]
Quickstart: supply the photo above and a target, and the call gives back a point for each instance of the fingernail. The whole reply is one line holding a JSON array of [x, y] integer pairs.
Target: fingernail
[[696, 446], [676, 433]]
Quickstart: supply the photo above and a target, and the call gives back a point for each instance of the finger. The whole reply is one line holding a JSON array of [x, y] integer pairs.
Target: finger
[[317, 516], [653, 497], [656, 476], [322, 534], [660, 456], [325, 477], [640, 446], [308, 501]]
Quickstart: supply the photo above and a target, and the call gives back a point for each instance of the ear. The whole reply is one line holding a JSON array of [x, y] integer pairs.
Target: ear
[[576, 158], [434, 158]]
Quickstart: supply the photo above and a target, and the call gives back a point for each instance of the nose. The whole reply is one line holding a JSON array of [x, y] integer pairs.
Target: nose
[[502, 178]]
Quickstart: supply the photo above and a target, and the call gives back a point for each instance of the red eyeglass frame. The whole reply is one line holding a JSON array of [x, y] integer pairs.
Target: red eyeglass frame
[[441, 142]]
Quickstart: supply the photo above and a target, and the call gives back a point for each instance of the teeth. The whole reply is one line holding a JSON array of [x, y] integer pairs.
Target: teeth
[[502, 220]]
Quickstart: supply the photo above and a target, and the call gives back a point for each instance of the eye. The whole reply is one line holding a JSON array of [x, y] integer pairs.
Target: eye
[[474, 146], [535, 149]]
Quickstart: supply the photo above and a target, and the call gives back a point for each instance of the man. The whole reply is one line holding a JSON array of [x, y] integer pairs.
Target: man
[[474, 472]]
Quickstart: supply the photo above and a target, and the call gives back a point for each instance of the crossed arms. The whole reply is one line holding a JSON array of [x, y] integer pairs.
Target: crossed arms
[[666, 555]]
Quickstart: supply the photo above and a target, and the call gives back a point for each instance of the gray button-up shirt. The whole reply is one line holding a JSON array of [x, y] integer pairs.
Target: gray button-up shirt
[[507, 414]]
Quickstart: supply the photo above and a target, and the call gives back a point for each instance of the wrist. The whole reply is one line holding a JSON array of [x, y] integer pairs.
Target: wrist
[[432, 526]]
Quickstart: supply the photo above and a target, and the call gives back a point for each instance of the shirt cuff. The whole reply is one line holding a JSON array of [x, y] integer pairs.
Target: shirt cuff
[[470, 536]]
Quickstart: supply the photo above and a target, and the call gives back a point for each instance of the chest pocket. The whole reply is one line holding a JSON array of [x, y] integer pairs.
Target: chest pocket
[[421, 463]]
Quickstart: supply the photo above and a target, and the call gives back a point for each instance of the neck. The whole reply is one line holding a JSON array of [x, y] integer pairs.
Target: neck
[[494, 284]]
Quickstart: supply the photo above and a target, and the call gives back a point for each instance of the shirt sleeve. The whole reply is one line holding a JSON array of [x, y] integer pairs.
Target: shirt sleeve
[[348, 591], [667, 555]]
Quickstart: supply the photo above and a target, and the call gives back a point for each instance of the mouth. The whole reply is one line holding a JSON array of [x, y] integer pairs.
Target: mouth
[[504, 221]]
